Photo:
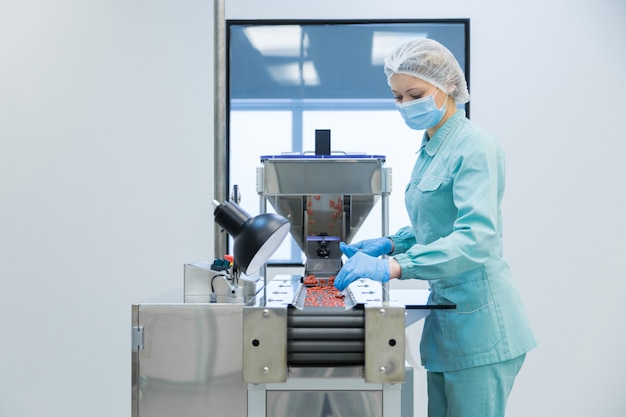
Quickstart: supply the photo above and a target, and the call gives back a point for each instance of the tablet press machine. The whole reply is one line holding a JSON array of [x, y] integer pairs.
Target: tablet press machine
[[240, 346]]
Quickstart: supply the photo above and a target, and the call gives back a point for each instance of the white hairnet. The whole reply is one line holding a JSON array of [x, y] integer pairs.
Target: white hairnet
[[432, 62]]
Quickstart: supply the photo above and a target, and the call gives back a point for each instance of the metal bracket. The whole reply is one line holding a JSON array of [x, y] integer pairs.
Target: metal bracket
[[264, 345], [137, 338], [386, 180], [384, 344], [260, 180]]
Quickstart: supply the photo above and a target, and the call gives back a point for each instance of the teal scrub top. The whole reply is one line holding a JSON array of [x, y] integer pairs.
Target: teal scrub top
[[455, 242]]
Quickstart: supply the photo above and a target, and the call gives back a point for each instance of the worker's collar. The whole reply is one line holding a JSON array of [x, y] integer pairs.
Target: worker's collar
[[432, 145]]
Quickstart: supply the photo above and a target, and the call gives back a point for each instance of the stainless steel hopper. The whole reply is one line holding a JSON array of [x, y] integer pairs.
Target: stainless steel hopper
[[324, 195]]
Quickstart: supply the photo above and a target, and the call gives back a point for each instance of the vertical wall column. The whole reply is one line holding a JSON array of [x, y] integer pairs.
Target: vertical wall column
[[220, 154]]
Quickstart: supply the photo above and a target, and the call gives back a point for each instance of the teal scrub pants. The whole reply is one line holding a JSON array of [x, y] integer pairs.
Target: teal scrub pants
[[481, 391]]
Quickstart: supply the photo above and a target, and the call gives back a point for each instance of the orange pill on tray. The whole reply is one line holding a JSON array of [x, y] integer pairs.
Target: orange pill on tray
[[324, 294]]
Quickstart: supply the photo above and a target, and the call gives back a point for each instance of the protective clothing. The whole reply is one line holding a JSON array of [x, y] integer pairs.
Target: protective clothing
[[361, 265], [373, 247], [421, 113], [455, 242], [432, 62], [481, 391]]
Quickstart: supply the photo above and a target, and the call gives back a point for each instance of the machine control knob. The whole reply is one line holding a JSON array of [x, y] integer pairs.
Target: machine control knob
[[265, 369], [382, 311], [383, 369], [266, 312]]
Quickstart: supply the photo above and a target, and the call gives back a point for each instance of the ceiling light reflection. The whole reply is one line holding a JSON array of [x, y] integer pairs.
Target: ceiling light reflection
[[276, 41], [290, 74], [384, 43]]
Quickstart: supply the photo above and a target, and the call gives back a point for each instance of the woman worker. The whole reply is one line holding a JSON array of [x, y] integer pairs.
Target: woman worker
[[473, 353]]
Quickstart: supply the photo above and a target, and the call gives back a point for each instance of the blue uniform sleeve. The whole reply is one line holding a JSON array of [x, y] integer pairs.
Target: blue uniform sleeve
[[403, 240], [465, 228]]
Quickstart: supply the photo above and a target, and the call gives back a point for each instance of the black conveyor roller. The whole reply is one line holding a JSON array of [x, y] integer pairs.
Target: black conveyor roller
[[326, 337]]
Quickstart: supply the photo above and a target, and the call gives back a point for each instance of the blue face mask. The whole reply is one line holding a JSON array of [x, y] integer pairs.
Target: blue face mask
[[421, 113]]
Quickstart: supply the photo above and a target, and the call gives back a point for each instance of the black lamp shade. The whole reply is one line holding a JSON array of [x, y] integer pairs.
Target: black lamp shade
[[255, 239]]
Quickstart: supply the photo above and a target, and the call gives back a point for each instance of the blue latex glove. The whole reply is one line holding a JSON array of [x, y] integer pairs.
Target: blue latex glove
[[373, 247], [362, 266]]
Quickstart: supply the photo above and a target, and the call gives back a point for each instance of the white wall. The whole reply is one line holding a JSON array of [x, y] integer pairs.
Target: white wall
[[548, 81], [106, 182], [105, 188]]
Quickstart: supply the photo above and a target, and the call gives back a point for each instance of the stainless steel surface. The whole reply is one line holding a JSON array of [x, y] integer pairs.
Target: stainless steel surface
[[220, 154], [262, 209], [191, 363], [134, 412], [330, 175], [197, 285], [323, 256], [323, 196], [286, 290], [313, 403], [264, 345], [137, 338], [337, 393], [254, 349], [387, 185], [313, 336], [384, 344]]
